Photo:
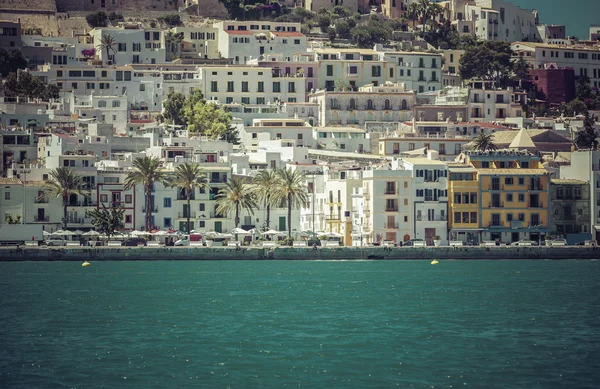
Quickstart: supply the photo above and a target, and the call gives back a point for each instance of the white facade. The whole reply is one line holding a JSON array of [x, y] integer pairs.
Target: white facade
[[494, 20], [343, 139], [388, 205], [430, 200], [106, 109], [132, 45], [585, 166], [585, 60], [246, 40], [292, 130], [488, 104], [384, 103]]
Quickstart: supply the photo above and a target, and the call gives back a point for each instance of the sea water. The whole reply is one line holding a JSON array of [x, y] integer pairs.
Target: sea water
[[308, 324]]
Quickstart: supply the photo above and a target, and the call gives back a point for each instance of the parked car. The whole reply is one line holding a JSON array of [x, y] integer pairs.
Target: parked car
[[56, 242], [559, 242], [134, 242], [525, 242], [411, 242]]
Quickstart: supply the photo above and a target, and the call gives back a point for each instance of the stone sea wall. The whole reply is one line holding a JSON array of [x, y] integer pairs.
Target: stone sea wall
[[342, 253]]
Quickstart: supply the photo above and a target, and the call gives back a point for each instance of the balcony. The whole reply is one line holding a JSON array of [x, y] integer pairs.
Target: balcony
[[391, 209], [184, 215], [422, 79], [390, 191], [38, 219], [88, 204], [496, 187], [435, 219], [536, 205], [430, 198], [496, 205], [40, 201], [153, 209], [536, 187], [213, 215], [496, 224], [391, 226], [79, 220]]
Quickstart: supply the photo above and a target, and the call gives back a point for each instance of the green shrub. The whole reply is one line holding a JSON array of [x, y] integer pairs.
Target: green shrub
[[97, 19]]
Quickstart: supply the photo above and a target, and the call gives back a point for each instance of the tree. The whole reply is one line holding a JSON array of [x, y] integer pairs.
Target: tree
[[235, 196], [490, 60], [331, 33], [583, 90], [372, 32], [484, 142], [11, 60], [97, 19], [587, 138], [173, 42], [207, 119], [413, 12], [188, 176], [323, 21], [575, 107], [63, 183], [171, 19], [264, 188], [107, 220], [108, 44], [147, 171], [291, 189], [23, 84], [173, 108], [230, 135]]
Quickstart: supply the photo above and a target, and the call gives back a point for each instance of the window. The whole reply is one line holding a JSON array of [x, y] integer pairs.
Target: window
[[508, 181], [260, 100], [116, 104], [521, 197], [74, 85], [167, 222], [376, 71], [521, 181], [245, 100], [276, 87], [213, 86], [128, 199], [244, 86], [6, 195], [103, 198], [167, 202], [329, 70], [90, 85], [261, 86], [122, 47], [291, 87], [230, 86], [102, 104], [353, 69], [509, 197]]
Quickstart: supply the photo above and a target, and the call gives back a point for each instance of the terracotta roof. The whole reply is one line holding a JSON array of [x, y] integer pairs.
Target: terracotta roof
[[239, 32], [512, 172], [10, 181], [287, 33], [35, 183], [567, 181]]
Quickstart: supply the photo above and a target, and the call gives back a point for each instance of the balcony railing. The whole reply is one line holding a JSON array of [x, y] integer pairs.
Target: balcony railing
[[214, 215], [391, 226], [79, 220], [390, 191], [391, 209], [536, 205], [496, 187], [86, 204], [435, 219], [153, 209], [536, 187], [496, 205], [38, 219], [40, 201], [183, 215]]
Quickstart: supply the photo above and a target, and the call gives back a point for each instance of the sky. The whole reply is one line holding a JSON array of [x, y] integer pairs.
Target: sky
[[577, 15]]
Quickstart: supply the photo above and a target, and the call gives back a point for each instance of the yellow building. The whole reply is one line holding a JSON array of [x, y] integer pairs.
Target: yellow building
[[508, 195]]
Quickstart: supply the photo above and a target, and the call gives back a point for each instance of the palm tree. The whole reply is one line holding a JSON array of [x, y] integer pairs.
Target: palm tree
[[484, 142], [188, 176], [107, 43], [291, 189], [237, 194], [413, 13], [146, 171], [63, 183], [264, 187]]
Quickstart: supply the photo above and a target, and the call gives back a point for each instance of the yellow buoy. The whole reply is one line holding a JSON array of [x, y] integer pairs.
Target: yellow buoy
[[86, 263], [434, 262]]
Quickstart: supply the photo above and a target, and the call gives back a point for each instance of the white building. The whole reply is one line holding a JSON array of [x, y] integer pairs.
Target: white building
[[133, 44], [494, 20], [383, 103], [487, 103], [388, 208], [297, 131], [585, 166], [582, 58], [342, 138], [105, 109], [245, 40], [430, 200]]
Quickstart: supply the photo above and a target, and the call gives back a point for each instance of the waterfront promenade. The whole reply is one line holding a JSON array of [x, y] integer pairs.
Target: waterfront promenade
[[292, 253]]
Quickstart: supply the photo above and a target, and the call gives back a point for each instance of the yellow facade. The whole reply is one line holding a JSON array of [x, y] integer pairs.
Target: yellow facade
[[506, 198]]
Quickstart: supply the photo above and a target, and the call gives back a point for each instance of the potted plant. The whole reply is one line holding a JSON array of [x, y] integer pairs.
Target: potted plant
[[548, 239], [437, 241], [209, 241]]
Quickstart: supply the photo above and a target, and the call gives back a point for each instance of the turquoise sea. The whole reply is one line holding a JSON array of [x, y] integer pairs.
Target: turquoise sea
[[301, 324]]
